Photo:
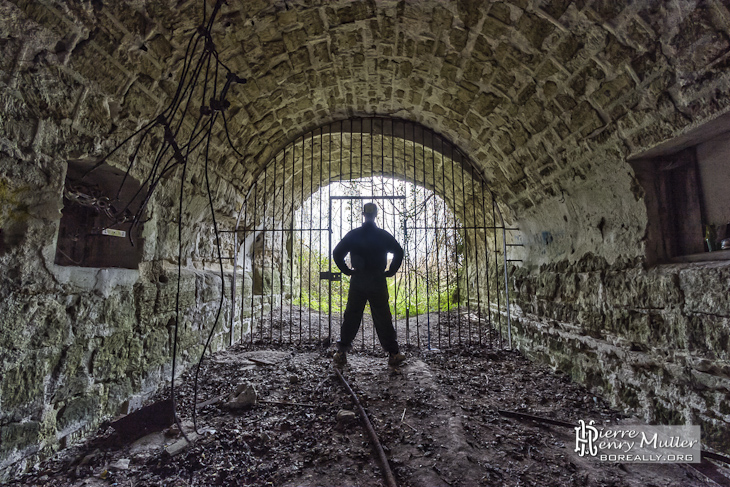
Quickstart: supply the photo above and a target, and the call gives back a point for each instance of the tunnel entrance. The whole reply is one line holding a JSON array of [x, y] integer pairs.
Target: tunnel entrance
[[451, 288]]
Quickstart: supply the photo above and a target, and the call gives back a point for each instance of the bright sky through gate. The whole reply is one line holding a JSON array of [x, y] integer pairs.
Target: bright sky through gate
[[420, 208]]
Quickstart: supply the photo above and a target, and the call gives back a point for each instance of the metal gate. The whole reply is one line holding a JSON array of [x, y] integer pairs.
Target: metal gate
[[452, 288]]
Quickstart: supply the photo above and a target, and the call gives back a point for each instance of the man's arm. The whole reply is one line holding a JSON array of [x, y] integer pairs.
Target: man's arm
[[338, 255], [397, 251]]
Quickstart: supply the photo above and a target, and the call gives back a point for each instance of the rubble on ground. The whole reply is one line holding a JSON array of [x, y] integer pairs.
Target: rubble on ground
[[437, 417]]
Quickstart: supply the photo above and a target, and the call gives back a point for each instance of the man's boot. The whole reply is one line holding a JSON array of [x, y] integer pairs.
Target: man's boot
[[395, 359], [339, 359]]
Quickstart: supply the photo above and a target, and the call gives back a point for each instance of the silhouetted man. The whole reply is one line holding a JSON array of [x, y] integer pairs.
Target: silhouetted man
[[368, 247]]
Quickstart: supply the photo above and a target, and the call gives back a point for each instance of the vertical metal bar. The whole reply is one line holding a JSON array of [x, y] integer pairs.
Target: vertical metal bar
[[311, 211], [372, 192], [233, 279], [342, 148], [506, 281], [265, 205], [415, 231], [362, 324], [436, 239], [329, 260], [404, 264], [243, 267], [456, 245], [232, 312], [446, 240], [465, 246], [319, 234], [292, 222], [476, 261], [273, 259], [253, 255], [301, 240], [486, 267], [427, 234], [329, 236], [496, 269], [282, 241]]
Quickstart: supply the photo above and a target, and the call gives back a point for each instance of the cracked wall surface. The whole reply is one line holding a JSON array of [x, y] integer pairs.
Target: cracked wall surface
[[548, 98]]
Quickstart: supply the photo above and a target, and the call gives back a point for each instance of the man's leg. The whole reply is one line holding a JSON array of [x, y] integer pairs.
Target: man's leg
[[356, 299], [382, 318]]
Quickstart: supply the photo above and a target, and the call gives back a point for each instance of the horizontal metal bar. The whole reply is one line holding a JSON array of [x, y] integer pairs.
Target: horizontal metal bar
[[263, 230], [515, 245], [367, 197], [514, 260], [454, 228]]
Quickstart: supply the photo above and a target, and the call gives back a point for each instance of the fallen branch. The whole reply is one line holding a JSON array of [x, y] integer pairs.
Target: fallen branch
[[209, 402], [514, 414], [281, 403], [711, 472], [715, 456], [411, 427], [259, 361]]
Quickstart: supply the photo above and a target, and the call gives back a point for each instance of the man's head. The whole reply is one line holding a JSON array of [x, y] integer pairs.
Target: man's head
[[369, 212]]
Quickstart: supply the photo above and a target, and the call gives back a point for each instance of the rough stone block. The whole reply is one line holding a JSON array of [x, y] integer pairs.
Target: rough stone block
[[19, 436], [23, 382], [705, 290], [145, 294], [166, 294], [535, 29], [77, 411]]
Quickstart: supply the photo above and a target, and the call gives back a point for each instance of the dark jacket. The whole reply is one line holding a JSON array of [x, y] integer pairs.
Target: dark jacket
[[368, 247]]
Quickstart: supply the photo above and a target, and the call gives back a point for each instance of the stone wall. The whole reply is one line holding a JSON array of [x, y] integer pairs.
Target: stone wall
[[78, 344], [655, 341]]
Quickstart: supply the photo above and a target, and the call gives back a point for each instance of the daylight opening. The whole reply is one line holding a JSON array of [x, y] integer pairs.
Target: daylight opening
[[428, 279]]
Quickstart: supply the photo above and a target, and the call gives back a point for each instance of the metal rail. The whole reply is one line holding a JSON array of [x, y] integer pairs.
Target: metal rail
[[387, 473]]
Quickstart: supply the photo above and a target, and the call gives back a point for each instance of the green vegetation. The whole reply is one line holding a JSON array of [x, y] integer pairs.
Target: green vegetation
[[421, 221], [413, 290]]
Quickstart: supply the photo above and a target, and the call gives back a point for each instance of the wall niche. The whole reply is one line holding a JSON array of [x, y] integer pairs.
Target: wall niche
[[685, 191], [95, 229]]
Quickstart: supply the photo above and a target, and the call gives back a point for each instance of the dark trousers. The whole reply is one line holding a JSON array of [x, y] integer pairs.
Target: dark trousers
[[374, 289]]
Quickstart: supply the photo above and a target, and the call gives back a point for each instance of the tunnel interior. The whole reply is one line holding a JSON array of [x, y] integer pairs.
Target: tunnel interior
[[596, 129]]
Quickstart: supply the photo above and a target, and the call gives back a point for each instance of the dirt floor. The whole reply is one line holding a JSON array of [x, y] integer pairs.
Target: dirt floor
[[436, 330], [437, 417]]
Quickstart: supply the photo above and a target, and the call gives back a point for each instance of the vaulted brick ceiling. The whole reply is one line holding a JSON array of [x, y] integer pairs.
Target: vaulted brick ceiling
[[531, 90]]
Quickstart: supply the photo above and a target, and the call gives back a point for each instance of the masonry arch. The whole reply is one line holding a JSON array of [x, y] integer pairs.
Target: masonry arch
[[432, 198]]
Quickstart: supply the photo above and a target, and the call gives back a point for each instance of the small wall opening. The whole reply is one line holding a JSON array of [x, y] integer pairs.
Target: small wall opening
[[96, 218]]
